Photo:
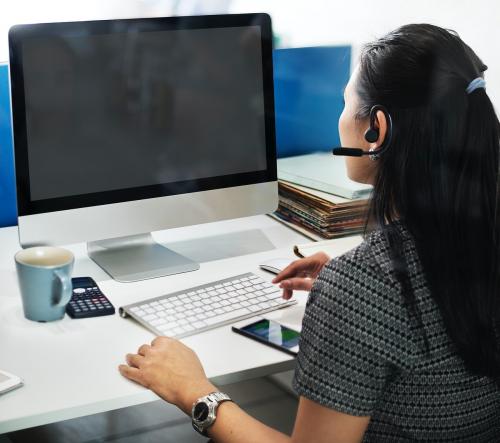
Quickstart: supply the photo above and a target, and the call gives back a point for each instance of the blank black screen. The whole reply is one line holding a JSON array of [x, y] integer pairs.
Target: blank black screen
[[125, 110]]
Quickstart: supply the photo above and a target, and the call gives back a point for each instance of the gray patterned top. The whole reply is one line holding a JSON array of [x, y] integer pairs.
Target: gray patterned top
[[362, 353]]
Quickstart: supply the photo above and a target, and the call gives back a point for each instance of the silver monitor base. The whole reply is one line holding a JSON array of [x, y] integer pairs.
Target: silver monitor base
[[137, 257]]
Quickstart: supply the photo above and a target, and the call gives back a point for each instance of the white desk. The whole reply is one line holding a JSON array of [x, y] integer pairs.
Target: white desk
[[70, 367]]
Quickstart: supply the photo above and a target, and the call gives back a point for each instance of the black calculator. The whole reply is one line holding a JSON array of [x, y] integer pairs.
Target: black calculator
[[88, 300]]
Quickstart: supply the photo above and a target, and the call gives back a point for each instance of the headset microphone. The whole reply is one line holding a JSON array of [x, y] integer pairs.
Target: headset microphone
[[351, 152], [371, 136]]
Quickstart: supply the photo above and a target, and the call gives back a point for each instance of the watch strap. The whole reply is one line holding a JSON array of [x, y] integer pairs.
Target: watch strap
[[213, 400]]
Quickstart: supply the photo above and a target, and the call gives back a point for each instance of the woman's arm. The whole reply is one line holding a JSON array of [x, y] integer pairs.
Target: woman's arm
[[314, 424], [174, 372]]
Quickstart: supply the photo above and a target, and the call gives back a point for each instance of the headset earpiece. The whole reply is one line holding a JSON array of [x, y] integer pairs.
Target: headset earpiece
[[371, 135]]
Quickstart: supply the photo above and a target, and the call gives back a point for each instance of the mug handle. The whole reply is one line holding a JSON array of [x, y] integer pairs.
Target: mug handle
[[67, 288]]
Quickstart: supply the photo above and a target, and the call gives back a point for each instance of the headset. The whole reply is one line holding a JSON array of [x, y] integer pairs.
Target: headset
[[371, 136]]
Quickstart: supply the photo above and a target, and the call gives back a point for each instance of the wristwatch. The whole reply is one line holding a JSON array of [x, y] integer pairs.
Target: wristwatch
[[204, 411]]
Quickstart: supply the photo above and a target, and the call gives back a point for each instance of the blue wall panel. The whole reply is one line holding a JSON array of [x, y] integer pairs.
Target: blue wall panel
[[308, 90], [8, 210]]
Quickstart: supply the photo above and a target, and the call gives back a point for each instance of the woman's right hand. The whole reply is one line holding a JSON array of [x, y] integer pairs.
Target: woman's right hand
[[300, 274]]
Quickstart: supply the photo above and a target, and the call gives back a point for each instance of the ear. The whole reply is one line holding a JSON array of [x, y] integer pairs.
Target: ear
[[381, 125]]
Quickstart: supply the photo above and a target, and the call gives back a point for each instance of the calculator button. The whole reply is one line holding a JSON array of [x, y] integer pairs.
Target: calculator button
[[79, 290]]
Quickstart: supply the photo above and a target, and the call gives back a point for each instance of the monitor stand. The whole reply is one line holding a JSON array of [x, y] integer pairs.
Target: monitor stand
[[137, 257]]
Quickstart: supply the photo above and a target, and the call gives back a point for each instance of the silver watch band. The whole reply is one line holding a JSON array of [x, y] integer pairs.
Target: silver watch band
[[211, 402], [219, 396]]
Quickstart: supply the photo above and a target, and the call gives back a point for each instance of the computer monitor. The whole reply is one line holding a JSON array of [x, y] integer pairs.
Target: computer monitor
[[123, 127]]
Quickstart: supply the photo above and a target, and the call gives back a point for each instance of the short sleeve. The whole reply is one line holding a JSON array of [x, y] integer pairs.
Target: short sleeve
[[354, 336]]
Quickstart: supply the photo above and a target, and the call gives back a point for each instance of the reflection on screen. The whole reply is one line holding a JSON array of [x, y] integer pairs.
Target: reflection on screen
[[274, 333], [124, 110]]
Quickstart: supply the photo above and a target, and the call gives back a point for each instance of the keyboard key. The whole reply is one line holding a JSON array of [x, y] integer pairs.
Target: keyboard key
[[199, 324], [227, 316]]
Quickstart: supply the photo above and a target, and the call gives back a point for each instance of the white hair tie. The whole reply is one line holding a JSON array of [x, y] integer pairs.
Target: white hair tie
[[475, 84]]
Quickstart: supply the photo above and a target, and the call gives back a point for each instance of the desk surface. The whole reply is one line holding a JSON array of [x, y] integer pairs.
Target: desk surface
[[69, 367]]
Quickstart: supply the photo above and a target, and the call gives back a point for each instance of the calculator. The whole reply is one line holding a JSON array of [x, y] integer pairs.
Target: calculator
[[88, 300]]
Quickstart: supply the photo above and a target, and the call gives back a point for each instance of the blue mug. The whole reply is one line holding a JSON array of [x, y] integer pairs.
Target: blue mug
[[44, 276]]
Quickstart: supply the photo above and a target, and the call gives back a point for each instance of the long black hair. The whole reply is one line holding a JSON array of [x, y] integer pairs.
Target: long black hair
[[440, 178]]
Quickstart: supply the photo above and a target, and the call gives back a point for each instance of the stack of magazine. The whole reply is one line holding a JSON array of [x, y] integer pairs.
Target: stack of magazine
[[316, 195]]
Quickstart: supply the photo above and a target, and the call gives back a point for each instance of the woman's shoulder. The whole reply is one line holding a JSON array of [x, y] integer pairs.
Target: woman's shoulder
[[373, 258], [364, 279], [357, 296]]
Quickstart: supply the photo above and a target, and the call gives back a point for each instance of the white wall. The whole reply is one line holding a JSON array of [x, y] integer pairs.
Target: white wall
[[297, 22], [313, 22]]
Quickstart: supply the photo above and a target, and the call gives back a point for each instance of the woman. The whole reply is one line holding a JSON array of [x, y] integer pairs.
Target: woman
[[399, 338]]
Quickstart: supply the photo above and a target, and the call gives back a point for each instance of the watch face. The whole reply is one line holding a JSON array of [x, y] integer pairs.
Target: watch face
[[200, 412]]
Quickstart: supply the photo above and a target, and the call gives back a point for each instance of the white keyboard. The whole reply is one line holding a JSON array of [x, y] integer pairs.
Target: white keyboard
[[209, 306]]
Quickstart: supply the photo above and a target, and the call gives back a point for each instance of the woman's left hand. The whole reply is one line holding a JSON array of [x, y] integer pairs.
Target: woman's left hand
[[171, 370]]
